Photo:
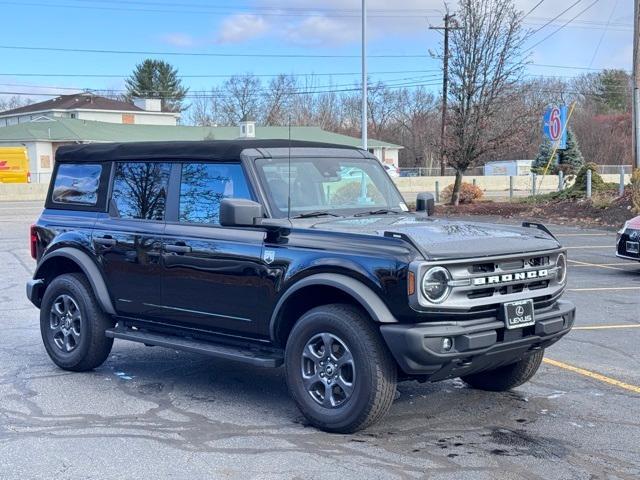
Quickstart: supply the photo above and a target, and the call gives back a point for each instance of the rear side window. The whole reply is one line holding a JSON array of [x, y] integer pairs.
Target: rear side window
[[77, 184], [203, 187], [140, 190]]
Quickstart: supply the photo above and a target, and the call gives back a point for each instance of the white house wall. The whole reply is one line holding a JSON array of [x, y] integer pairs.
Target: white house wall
[[39, 153], [140, 118], [116, 117]]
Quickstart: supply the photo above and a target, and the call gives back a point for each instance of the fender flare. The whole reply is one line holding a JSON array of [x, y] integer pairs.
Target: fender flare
[[89, 268], [366, 297]]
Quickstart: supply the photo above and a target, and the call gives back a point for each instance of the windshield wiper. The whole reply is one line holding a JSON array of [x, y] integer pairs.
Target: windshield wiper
[[319, 213], [380, 211]]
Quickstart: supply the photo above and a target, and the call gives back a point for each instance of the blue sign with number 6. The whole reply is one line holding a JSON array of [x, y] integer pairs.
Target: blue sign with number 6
[[555, 125]]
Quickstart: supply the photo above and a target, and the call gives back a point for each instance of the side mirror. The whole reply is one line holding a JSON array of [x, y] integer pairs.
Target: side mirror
[[239, 212], [426, 203]]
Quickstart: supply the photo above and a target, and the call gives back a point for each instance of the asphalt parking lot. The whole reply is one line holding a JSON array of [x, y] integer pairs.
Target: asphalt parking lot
[[157, 413]]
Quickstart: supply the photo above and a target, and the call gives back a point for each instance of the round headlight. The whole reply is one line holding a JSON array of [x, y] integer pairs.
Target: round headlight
[[435, 284], [561, 265]]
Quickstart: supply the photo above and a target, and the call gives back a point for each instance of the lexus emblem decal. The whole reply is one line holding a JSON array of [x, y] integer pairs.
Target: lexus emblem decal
[[519, 310]]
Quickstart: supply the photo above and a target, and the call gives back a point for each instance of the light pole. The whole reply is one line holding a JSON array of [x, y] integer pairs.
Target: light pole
[[636, 84], [364, 75]]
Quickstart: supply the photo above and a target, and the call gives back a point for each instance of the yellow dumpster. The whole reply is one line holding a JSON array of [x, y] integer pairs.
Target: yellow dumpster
[[14, 165]]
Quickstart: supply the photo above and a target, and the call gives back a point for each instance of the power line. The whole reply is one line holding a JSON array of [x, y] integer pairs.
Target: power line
[[282, 13], [562, 26], [217, 10], [373, 85], [414, 85], [223, 95], [255, 7], [532, 9], [595, 53], [585, 22], [264, 75], [556, 17], [201, 54], [271, 75]]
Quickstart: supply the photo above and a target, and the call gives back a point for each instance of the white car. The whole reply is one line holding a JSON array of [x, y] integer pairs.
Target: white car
[[392, 170]]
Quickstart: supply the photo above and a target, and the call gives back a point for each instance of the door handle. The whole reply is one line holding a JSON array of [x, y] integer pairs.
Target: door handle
[[177, 248], [106, 241]]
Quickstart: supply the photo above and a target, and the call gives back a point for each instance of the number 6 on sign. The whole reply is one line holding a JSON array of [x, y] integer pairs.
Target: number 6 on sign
[[555, 120]]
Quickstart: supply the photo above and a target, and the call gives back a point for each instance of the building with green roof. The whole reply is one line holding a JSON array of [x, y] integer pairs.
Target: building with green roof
[[42, 137]]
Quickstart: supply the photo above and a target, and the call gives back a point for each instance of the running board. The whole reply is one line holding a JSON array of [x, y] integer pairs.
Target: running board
[[258, 357]]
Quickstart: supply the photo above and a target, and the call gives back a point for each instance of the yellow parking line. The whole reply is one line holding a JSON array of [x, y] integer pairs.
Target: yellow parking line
[[600, 289], [616, 264], [587, 264], [593, 375], [605, 327], [583, 234]]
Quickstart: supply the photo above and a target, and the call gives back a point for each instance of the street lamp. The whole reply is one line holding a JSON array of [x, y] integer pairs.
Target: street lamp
[[364, 75]]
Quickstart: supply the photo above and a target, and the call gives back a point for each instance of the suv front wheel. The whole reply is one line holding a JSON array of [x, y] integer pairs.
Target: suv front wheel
[[73, 325], [339, 372]]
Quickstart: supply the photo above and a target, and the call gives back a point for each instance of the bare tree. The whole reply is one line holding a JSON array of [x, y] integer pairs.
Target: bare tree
[[417, 121], [206, 109], [486, 65], [15, 101], [242, 95], [277, 100]]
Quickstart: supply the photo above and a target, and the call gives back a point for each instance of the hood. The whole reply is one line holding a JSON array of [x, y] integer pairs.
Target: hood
[[634, 223], [445, 239]]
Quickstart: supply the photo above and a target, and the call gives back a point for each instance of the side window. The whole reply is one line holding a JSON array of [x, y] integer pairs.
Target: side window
[[203, 187], [140, 190], [77, 184]]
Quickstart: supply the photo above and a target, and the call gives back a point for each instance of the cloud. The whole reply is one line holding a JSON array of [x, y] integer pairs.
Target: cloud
[[240, 28], [320, 31], [179, 40]]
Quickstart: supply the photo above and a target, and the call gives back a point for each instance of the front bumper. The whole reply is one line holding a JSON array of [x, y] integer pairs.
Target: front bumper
[[481, 344]]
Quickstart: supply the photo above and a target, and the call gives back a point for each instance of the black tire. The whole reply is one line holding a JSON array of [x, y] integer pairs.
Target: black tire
[[507, 377], [89, 347], [373, 370]]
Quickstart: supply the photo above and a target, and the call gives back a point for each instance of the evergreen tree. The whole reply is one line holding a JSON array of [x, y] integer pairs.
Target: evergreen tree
[[541, 160], [613, 91], [571, 159], [157, 79]]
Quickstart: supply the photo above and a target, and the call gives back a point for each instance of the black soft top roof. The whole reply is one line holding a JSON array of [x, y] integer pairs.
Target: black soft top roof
[[197, 150]]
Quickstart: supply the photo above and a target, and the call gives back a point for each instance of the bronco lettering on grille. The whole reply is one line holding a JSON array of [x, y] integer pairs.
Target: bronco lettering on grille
[[511, 277]]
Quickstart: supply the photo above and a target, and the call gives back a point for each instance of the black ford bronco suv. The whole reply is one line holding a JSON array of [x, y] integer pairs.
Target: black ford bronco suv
[[274, 252]]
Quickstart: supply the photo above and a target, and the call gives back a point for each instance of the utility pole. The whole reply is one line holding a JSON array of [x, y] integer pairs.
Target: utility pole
[[445, 83], [636, 84], [364, 75]]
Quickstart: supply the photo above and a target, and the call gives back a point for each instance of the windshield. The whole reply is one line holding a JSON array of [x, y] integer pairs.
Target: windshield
[[339, 186]]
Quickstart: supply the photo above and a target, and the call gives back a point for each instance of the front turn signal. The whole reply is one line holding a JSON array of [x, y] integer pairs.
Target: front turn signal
[[411, 283]]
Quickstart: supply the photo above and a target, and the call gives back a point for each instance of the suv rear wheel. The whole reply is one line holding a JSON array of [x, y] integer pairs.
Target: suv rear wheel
[[507, 377], [339, 372], [73, 325]]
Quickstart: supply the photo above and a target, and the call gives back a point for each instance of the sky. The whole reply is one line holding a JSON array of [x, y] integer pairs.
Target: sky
[[600, 36]]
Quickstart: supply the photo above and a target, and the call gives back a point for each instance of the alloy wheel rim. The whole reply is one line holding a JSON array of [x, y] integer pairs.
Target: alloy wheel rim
[[328, 370], [65, 323]]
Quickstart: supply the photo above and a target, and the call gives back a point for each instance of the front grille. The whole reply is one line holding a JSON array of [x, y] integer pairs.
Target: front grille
[[630, 235], [488, 283]]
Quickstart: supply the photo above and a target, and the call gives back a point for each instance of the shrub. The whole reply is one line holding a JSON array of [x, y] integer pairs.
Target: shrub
[[469, 193], [597, 184], [635, 190], [349, 193], [603, 200]]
